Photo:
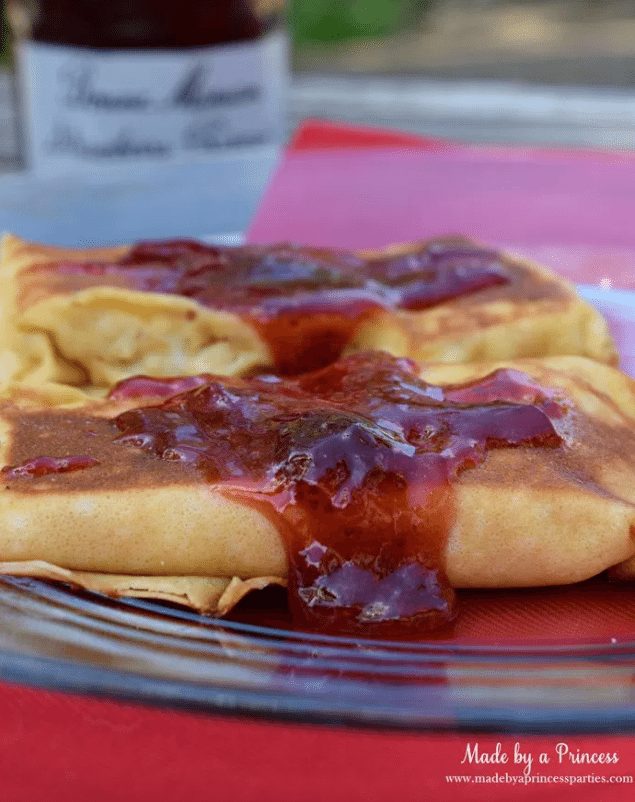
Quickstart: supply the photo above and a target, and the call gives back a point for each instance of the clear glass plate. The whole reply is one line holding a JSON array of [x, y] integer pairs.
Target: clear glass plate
[[534, 660], [148, 652]]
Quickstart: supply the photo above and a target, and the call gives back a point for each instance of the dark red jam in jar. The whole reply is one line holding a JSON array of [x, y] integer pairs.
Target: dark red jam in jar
[[306, 303], [354, 463], [135, 80]]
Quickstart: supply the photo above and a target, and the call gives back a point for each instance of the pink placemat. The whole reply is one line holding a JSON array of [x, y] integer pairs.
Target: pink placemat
[[353, 188]]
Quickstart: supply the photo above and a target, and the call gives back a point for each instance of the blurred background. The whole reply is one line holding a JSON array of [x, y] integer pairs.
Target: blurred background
[[535, 71], [588, 42]]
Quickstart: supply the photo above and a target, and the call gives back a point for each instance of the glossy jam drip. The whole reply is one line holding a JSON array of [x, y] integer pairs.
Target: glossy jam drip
[[354, 463], [151, 387], [44, 466], [306, 303]]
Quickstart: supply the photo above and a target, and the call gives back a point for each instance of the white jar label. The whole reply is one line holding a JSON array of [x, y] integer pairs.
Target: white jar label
[[84, 107]]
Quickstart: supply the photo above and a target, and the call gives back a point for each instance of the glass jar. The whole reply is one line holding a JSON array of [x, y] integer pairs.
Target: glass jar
[[146, 80]]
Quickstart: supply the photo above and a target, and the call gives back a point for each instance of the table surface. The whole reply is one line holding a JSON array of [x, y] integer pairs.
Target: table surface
[[471, 111]]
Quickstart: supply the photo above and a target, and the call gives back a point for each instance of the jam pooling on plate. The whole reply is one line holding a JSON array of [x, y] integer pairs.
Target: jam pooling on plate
[[306, 303], [354, 463]]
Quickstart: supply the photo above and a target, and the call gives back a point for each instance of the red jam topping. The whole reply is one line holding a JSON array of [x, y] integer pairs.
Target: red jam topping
[[354, 463], [150, 387], [44, 466], [306, 303]]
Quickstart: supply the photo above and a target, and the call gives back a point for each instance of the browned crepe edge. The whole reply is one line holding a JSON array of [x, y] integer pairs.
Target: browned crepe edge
[[206, 595]]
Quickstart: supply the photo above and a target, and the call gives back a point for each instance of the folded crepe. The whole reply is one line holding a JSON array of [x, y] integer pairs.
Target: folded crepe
[[508, 474], [94, 317]]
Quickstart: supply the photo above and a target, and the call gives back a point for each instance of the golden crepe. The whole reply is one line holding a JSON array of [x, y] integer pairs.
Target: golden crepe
[[544, 498], [94, 317]]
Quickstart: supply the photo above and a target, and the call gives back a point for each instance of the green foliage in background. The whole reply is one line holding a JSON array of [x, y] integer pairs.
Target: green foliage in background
[[5, 51], [336, 20]]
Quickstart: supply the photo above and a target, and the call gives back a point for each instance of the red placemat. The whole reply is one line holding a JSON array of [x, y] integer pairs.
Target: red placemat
[[58, 747]]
